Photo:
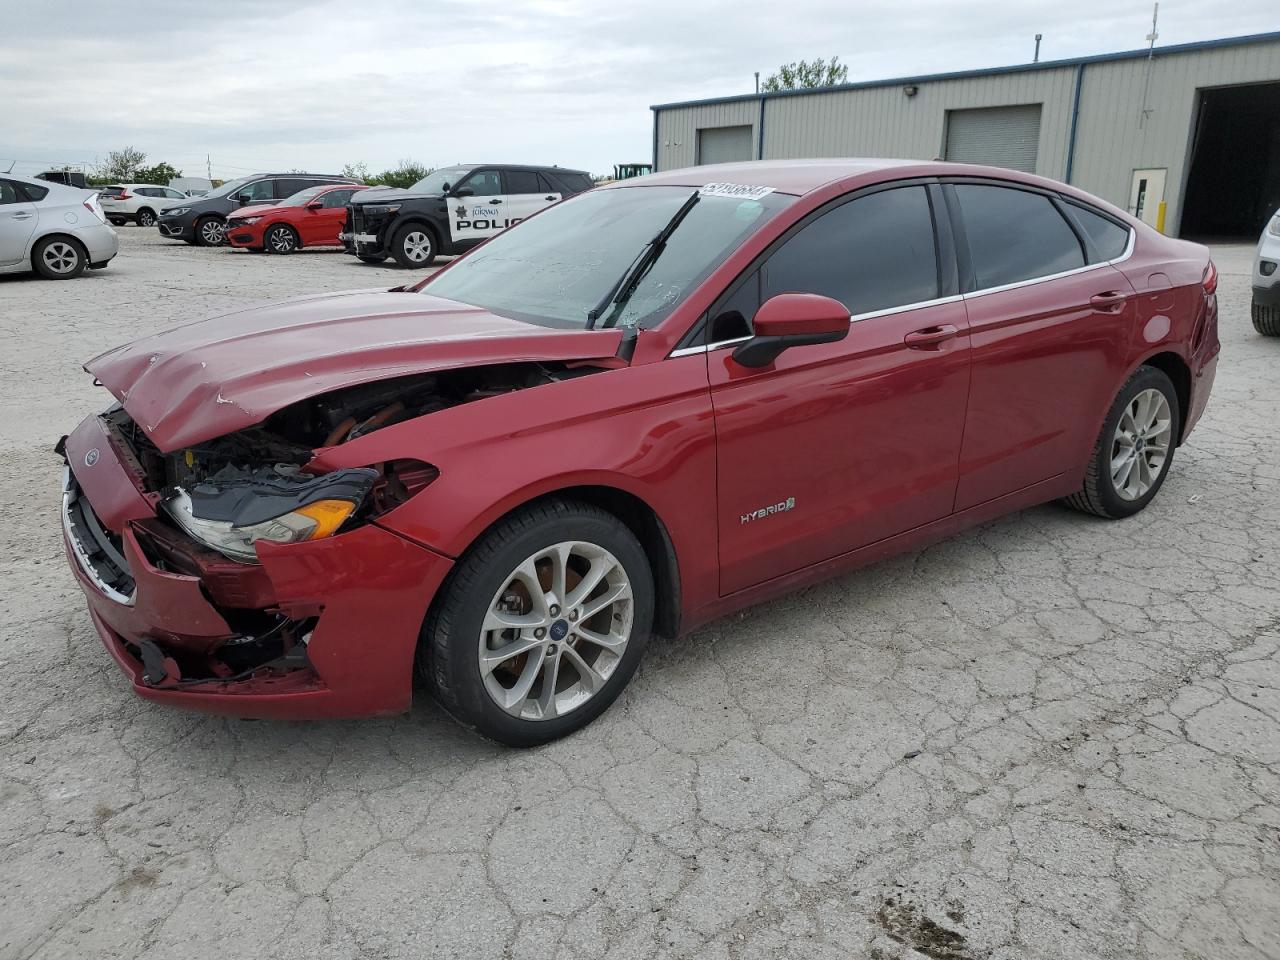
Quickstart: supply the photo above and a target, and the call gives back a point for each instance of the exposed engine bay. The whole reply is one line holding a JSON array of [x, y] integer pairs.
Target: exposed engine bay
[[229, 492]]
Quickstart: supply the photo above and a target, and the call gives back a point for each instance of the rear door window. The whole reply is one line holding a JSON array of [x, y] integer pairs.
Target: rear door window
[[9, 192], [522, 181], [288, 186], [1107, 238], [1014, 235], [873, 253], [33, 192]]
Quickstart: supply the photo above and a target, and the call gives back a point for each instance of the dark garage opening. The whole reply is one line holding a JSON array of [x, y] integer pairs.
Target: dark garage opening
[[1233, 186]]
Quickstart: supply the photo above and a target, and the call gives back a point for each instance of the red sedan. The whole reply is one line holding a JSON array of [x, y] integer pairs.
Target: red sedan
[[647, 406], [310, 218]]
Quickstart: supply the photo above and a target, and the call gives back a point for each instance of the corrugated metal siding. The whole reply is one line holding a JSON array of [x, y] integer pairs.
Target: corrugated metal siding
[[678, 129], [998, 136], [1110, 144], [1110, 141]]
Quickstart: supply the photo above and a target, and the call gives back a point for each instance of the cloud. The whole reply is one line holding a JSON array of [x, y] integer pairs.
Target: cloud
[[313, 85]]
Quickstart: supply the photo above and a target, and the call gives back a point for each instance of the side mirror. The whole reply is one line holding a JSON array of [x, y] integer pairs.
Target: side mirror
[[792, 320], [315, 205], [464, 192], [243, 198]]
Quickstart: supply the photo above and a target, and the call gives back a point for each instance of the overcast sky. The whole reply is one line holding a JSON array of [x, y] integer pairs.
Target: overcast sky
[[312, 85]]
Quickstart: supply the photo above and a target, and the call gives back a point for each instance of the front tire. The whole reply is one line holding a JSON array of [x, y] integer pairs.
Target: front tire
[[414, 246], [371, 258], [211, 232], [280, 239], [1134, 450], [59, 258], [1266, 320], [541, 624], [146, 217]]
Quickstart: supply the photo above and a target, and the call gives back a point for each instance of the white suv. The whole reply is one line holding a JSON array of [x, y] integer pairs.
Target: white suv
[[139, 202], [1266, 280]]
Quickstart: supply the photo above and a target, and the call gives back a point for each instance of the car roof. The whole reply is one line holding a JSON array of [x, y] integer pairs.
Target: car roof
[[798, 177], [523, 166], [50, 185]]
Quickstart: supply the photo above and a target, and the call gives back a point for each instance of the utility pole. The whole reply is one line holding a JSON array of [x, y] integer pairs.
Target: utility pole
[[757, 81], [208, 166], [1037, 56], [1151, 52]]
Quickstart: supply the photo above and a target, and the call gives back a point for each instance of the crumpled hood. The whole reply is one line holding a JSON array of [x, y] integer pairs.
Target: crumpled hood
[[213, 377], [258, 210]]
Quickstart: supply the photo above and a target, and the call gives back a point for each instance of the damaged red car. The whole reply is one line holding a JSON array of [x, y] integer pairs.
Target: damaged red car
[[645, 407]]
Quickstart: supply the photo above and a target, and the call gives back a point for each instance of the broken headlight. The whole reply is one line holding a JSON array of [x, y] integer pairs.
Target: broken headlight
[[234, 509]]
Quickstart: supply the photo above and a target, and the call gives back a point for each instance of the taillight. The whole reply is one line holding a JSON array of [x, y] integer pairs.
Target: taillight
[[1210, 281], [124, 195]]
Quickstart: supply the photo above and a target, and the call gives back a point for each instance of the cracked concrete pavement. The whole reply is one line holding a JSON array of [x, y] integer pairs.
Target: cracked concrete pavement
[[1051, 737]]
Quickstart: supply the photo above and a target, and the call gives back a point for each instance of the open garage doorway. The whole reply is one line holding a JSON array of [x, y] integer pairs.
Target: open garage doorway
[[1233, 185]]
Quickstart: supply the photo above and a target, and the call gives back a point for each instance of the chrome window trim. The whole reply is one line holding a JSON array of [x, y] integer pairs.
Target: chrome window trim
[[1128, 252], [82, 559]]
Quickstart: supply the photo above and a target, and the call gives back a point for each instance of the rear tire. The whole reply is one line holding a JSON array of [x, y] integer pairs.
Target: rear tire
[[1266, 320], [540, 693], [1134, 449], [280, 239], [368, 258], [146, 217], [414, 245], [59, 258], [117, 221], [211, 232]]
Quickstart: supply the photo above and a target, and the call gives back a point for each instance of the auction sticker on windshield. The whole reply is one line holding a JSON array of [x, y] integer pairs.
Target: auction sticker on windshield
[[739, 191]]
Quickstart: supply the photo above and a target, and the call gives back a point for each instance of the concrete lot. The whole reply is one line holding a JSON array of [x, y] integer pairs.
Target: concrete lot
[[1053, 737]]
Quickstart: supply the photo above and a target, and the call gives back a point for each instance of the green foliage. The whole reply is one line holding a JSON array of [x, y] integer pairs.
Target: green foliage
[[405, 174], [121, 165], [159, 174], [803, 74]]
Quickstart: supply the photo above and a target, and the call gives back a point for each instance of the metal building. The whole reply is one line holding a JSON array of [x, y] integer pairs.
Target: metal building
[[1196, 125]]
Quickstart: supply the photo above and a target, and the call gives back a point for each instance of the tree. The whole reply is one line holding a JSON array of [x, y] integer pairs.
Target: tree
[[356, 171], [161, 174], [122, 164], [404, 174], [802, 74]]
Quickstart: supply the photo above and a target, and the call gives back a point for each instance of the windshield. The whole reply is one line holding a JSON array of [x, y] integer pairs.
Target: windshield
[[434, 181], [300, 198], [555, 267], [230, 187]]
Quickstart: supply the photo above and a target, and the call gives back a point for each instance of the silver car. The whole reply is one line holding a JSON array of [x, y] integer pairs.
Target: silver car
[[55, 230], [1266, 280]]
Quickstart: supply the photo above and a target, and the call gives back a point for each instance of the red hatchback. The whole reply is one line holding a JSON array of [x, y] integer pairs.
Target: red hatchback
[[647, 406], [310, 218]]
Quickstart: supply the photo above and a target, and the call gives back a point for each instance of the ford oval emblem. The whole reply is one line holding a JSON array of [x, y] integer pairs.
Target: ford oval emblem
[[91, 457]]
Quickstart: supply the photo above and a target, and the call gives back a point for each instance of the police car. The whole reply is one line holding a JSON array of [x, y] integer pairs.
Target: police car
[[451, 210]]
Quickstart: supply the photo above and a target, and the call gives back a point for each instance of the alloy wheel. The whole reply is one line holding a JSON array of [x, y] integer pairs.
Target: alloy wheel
[[61, 257], [417, 246], [213, 232], [556, 630], [146, 218], [1140, 446], [282, 240]]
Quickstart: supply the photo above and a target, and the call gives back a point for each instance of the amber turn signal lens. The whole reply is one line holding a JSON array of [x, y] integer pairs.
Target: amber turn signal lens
[[328, 515]]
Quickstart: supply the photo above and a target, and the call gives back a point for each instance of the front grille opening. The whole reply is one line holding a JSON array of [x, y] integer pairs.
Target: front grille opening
[[100, 550]]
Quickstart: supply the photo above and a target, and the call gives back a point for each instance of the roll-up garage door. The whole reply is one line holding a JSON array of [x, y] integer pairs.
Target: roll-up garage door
[[996, 136], [724, 144]]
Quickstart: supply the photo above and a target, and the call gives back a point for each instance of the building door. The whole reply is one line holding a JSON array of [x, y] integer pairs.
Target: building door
[[1146, 193], [724, 144], [995, 136]]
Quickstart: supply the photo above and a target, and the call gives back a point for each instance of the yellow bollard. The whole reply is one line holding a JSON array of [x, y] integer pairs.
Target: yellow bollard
[[1160, 216]]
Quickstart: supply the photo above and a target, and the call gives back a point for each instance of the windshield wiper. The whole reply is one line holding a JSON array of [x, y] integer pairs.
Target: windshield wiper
[[621, 291]]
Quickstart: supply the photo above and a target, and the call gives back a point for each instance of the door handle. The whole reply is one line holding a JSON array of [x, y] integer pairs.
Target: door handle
[[1112, 301], [23, 216], [495, 200], [930, 338], [548, 197]]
